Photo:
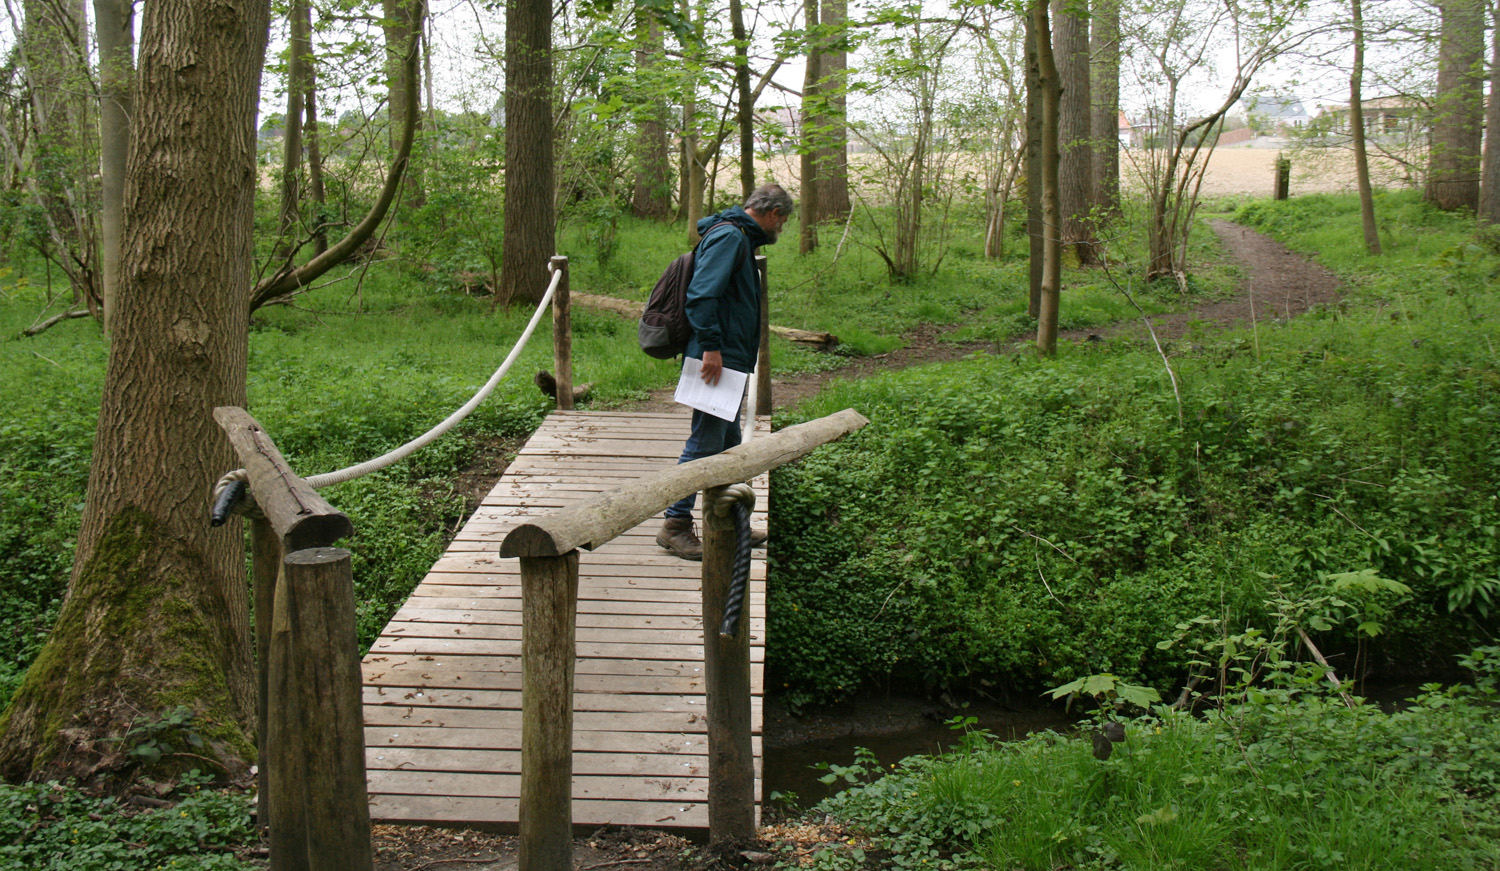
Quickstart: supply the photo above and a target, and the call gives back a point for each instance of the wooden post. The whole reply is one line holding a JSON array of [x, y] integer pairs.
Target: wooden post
[[286, 802], [763, 364], [320, 805], [265, 562], [1283, 177], [549, 606], [562, 336], [726, 667]]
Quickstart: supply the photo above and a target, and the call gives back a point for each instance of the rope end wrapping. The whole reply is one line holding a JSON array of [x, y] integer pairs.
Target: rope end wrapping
[[232, 496], [737, 499]]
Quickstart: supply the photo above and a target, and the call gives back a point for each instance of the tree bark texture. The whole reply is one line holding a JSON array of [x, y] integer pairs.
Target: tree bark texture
[[156, 614], [811, 120], [1051, 161], [1357, 131], [1075, 130], [1104, 39], [1458, 109], [1034, 226], [833, 146], [529, 241], [115, 29], [652, 197], [1489, 189]]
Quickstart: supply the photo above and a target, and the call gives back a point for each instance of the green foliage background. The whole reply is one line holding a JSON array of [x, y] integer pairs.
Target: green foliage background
[[1009, 519]]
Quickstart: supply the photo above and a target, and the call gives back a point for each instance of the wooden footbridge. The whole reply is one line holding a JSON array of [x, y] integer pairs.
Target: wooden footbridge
[[442, 685], [554, 669]]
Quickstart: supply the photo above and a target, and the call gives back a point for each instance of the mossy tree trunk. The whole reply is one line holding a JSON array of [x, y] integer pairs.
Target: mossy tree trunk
[[156, 613]]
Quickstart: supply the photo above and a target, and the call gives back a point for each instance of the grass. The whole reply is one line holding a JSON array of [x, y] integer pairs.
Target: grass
[[1307, 784]]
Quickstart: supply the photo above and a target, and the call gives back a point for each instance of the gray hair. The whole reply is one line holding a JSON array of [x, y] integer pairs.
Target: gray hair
[[770, 198]]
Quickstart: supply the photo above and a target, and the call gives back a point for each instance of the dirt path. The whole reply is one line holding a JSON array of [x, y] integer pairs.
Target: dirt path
[[1278, 284]]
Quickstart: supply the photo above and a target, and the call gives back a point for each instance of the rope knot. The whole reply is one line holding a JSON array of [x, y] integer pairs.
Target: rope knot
[[732, 495], [232, 496]]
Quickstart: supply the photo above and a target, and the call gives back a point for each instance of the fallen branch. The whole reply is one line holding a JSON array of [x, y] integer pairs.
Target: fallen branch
[[1317, 655], [820, 341], [56, 319]]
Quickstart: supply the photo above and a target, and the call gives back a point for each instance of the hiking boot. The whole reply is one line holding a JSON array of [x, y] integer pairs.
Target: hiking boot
[[677, 536]]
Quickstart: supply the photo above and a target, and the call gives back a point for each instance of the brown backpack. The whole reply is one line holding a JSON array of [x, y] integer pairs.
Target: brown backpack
[[664, 330]]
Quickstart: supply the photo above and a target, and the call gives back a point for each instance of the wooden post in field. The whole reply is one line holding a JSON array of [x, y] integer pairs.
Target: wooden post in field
[[562, 336], [763, 363], [549, 606], [1283, 177], [726, 667], [265, 563], [317, 720]]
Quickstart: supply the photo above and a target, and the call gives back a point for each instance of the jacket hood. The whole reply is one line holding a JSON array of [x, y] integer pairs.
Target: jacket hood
[[740, 218]]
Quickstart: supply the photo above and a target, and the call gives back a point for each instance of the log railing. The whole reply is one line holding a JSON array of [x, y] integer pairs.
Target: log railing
[[548, 550], [311, 725]]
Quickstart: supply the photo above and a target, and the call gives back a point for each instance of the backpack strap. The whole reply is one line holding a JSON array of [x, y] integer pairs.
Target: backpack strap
[[702, 238]]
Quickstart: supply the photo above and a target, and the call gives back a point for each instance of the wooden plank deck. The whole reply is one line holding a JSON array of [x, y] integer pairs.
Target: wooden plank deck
[[442, 688]]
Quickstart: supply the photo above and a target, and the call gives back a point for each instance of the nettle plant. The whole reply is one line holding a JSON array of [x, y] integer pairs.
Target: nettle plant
[[1260, 665]]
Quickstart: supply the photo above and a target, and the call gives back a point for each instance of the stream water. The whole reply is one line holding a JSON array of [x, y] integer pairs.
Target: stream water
[[893, 727]]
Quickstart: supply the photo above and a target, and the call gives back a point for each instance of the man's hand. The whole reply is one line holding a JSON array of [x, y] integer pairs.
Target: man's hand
[[713, 366]]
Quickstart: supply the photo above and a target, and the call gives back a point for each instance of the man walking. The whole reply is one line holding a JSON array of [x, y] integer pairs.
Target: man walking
[[723, 307]]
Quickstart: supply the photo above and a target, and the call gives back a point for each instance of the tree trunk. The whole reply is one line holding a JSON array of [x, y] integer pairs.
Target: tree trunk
[[402, 23], [1075, 133], [299, 19], [653, 181], [1357, 132], [1489, 191], [1104, 38], [529, 242], [1458, 119], [1034, 227], [156, 614], [115, 30], [746, 113], [833, 88], [315, 164], [52, 50], [811, 122], [1051, 160]]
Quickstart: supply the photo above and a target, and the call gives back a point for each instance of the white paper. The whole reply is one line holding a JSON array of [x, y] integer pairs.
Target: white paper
[[721, 400]]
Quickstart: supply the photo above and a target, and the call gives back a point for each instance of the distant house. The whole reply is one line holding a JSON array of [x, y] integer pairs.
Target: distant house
[[1278, 116], [1394, 114], [1397, 115]]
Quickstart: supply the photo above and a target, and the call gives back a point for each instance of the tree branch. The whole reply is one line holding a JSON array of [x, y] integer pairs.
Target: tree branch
[[288, 280]]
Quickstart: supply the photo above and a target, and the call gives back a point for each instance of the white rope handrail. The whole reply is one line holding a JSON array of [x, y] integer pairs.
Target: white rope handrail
[[328, 479]]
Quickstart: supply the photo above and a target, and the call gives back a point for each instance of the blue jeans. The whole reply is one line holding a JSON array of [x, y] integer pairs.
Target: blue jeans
[[710, 435]]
